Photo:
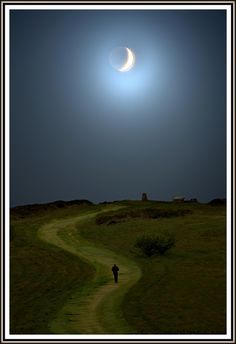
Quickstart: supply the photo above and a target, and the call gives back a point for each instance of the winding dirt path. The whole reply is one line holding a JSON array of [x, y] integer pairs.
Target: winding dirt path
[[95, 309]]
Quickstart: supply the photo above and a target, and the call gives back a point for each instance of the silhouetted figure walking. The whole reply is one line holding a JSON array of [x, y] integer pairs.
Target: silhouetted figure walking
[[115, 270]]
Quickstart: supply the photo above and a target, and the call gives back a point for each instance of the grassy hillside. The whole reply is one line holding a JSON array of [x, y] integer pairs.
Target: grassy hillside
[[182, 291], [42, 276]]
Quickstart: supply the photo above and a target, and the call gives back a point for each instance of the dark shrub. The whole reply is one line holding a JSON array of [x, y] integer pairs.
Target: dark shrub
[[218, 201], [114, 217], [31, 209], [155, 244]]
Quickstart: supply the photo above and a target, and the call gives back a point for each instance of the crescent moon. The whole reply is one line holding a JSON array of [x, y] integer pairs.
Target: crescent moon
[[129, 63]]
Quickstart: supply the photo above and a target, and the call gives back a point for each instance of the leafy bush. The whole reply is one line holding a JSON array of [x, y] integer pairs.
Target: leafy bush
[[155, 244], [218, 201], [114, 217]]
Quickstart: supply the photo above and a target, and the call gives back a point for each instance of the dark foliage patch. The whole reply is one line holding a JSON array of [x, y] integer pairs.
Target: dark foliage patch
[[154, 245], [32, 209], [146, 213], [218, 201]]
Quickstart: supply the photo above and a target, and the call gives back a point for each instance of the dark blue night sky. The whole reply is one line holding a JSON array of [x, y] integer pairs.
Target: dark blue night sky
[[80, 129]]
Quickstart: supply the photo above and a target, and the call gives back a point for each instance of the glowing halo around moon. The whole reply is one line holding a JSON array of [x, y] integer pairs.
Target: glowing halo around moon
[[122, 59]]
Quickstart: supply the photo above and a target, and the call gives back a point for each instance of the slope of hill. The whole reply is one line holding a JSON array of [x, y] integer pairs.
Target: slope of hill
[[182, 291]]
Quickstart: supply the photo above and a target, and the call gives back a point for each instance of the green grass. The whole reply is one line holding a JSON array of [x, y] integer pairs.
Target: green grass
[[181, 292], [184, 291], [42, 276], [99, 309]]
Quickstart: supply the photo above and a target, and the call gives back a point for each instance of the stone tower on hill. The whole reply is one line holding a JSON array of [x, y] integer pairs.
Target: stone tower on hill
[[144, 197]]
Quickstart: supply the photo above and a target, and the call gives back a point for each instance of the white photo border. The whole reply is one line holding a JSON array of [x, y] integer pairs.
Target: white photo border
[[6, 7]]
